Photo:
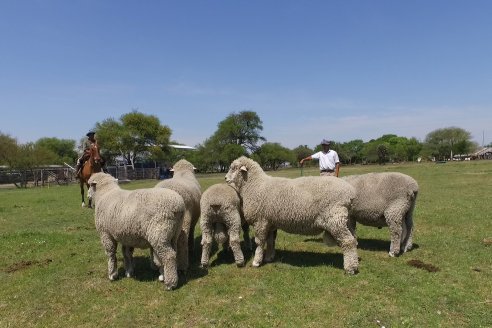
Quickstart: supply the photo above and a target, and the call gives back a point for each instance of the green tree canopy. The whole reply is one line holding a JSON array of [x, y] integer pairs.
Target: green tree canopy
[[63, 149], [134, 136], [300, 152], [443, 143], [271, 155], [9, 150], [241, 129], [235, 135]]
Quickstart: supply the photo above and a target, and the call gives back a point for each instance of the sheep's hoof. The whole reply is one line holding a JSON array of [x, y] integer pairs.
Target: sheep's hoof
[[161, 278], [352, 272], [255, 264], [113, 277], [83, 204], [169, 288], [391, 254], [129, 275], [204, 266], [240, 264]]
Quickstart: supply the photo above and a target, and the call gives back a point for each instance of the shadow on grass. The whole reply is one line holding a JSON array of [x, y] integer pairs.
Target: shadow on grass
[[367, 244], [310, 259]]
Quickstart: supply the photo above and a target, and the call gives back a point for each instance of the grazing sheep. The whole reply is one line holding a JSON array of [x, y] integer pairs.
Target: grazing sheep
[[385, 199], [222, 216], [306, 205], [142, 218], [185, 184]]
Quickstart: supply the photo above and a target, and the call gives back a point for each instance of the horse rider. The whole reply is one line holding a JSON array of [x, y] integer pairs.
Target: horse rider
[[87, 144]]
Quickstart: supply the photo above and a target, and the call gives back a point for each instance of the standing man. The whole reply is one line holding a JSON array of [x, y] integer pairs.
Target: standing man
[[91, 140], [329, 164]]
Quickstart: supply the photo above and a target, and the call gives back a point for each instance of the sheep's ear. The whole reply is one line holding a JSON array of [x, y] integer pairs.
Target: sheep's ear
[[244, 169]]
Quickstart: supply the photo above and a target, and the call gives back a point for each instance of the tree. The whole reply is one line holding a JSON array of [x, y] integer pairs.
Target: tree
[[382, 150], [135, 136], [300, 152], [442, 143], [9, 150], [271, 155], [351, 152], [63, 149], [235, 136], [241, 129]]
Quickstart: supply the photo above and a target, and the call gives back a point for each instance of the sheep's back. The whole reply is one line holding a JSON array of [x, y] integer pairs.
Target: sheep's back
[[219, 199], [375, 192], [295, 204], [126, 214]]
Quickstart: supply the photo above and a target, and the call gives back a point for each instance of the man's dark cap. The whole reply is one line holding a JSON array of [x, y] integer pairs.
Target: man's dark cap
[[325, 142]]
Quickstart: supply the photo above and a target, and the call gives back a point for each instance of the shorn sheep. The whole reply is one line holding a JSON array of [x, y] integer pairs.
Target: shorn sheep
[[185, 184], [306, 205], [221, 217], [385, 199], [142, 218]]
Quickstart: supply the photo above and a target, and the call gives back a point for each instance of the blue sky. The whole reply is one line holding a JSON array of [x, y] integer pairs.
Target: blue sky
[[340, 70]]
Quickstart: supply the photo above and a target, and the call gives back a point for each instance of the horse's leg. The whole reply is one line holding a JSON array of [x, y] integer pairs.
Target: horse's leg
[[82, 192], [89, 195]]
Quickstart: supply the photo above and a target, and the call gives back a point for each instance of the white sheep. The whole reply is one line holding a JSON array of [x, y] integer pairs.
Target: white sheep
[[142, 218], [306, 205], [222, 217], [185, 184], [385, 199]]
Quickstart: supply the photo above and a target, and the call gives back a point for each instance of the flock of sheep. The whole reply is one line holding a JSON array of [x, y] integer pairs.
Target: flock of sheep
[[163, 218]]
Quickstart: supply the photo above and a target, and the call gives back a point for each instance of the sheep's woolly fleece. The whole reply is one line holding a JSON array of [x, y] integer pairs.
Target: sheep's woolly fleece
[[306, 205], [140, 218], [386, 199], [221, 213], [185, 184]]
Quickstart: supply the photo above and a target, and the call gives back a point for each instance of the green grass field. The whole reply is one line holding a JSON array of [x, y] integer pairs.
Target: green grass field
[[53, 269]]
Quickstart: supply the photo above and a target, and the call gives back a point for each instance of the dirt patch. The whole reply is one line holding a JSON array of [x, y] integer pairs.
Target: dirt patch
[[421, 265], [26, 264]]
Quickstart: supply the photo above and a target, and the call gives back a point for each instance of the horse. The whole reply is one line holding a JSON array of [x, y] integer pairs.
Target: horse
[[92, 165]]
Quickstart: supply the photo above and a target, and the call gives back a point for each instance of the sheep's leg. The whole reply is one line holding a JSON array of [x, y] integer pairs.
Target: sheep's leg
[[407, 241], [261, 233], [270, 247], [154, 260], [167, 256], [183, 242], [128, 260], [246, 237], [234, 230], [336, 224], [191, 237], [182, 251], [394, 216], [352, 225], [207, 233], [110, 245]]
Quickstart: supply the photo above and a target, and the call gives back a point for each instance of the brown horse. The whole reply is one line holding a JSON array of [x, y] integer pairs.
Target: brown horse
[[92, 165]]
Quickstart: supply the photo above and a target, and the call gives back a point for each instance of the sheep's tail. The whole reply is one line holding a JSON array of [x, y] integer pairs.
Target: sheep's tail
[[407, 242]]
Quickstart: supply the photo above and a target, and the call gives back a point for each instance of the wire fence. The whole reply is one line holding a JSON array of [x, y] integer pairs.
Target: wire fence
[[60, 175]]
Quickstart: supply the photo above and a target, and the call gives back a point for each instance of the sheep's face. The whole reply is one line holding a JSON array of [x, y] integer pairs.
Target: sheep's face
[[237, 174]]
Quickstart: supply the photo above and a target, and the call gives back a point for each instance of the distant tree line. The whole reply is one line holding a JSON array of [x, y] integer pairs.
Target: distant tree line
[[140, 138]]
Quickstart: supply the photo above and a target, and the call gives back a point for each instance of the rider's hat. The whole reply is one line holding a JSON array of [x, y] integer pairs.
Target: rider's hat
[[90, 133]]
